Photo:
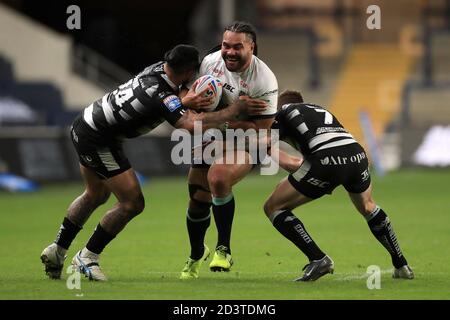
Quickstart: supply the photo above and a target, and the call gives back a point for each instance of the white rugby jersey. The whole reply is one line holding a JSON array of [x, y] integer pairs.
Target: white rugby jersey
[[258, 82]]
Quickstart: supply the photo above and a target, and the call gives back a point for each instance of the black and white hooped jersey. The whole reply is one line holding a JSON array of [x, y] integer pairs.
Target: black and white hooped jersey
[[136, 107], [310, 128]]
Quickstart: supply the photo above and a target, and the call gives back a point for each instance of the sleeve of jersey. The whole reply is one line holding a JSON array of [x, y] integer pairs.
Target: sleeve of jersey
[[171, 108], [267, 91]]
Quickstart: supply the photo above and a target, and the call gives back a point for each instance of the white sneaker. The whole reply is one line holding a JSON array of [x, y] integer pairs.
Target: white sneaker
[[53, 259], [404, 272], [86, 262]]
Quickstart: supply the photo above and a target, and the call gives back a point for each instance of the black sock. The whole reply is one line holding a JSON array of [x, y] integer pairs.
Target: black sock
[[67, 232], [382, 229], [293, 229], [197, 221], [223, 210], [99, 240]]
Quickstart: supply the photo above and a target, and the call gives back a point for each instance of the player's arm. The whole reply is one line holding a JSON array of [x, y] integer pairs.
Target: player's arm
[[256, 122], [210, 120], [288, 162]]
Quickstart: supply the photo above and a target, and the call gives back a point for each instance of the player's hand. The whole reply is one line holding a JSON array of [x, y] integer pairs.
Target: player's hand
[[196, 101], [252, 106]]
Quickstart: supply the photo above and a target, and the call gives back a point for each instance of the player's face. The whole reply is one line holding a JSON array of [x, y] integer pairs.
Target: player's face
[[237, 51], [189, 76]]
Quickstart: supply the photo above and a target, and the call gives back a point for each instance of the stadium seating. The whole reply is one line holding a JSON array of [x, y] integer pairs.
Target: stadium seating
[[6, 76], [371, 80], [43, 97]]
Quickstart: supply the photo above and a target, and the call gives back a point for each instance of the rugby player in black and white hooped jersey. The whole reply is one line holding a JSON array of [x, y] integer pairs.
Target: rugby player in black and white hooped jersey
[[244, 77], [134, 109], [331, 157]]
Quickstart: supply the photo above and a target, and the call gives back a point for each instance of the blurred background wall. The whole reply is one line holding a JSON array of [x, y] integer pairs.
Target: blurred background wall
[[389, 86]]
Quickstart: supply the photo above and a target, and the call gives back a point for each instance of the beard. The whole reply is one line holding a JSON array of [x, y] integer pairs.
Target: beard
[[233, 63]]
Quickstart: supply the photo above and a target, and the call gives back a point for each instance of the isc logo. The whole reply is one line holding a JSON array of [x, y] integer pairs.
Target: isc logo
[[318, 183]]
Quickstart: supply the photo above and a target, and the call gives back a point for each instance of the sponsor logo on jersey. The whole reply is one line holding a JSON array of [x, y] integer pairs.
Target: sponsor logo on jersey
[[333, 160], [365, 175], [318, 183], [89, 160], [329, 129], [172, 102], [228, 87], [338, 160], [218, 72], [243, 84]]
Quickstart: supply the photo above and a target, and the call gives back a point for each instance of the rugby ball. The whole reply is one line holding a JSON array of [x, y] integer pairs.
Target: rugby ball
[[213, 88]]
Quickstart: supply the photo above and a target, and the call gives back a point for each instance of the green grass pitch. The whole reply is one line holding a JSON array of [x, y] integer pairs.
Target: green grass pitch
[[144, 261]]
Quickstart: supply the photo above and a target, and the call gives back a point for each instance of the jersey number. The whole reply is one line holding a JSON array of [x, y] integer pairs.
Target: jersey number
[[328, 116], [123, 93]]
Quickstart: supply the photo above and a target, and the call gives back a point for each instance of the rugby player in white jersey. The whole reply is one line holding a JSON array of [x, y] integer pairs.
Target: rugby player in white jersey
[[244, 76]]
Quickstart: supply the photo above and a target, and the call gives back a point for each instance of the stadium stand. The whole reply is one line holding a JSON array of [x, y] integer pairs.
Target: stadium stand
[[44, 98], [371, 80], [27, 66]]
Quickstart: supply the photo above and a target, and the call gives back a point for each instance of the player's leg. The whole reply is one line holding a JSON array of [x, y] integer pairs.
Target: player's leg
[[221, 177], [198, 219], [278, 208], [382, 229], [125, 187], [95, 194]]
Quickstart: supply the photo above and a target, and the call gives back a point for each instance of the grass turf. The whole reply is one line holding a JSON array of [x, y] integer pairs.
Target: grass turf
[[144, 261]]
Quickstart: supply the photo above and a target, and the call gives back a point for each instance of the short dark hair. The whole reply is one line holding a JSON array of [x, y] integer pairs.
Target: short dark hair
[[182, 58], [289, 96], [244, 27]]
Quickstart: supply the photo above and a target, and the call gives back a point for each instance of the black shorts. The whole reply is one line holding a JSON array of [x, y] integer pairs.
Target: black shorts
[[102, 154], [323, 171]]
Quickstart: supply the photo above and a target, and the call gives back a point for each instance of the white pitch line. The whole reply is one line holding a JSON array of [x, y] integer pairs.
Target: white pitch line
[[353, 276], [336, 277]]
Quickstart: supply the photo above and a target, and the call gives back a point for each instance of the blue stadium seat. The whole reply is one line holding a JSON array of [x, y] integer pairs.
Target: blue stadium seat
[[43, 97], [6, 77]]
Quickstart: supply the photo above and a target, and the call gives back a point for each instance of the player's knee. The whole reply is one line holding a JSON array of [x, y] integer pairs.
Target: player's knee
[[199, 193], [219, 180], [369, 207], [103, 197], [269, 207], [134, 206], [98, 197]]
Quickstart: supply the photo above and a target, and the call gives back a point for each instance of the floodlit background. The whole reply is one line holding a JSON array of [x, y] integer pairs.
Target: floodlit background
[[390, 88]]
